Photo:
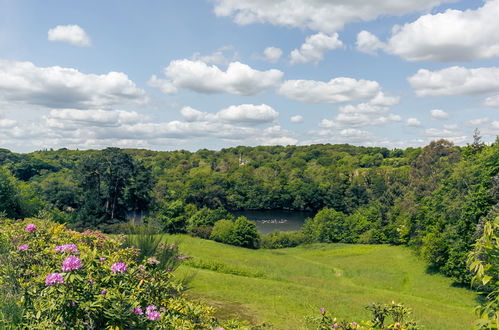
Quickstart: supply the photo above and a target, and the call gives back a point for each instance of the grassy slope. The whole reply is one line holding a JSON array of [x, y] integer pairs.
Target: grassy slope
[[284, 286]]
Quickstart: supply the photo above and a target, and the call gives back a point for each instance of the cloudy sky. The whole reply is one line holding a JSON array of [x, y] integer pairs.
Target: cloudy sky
[[165, 74]]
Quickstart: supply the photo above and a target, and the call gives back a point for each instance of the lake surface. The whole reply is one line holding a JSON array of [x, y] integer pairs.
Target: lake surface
[[270, 220]]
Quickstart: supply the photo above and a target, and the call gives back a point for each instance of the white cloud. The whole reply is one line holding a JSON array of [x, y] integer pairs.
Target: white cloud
[[163, 85], [7, 123], [242, 114], [68, 118], [57, 87], [413, 122], [297, 119], [314, 48], [72, 34], [455, 80], [239, 79], [337, 90], [478, 121], [453, 35], [454, 135], [248, 113], [438, 114], [219, 57], [372, 113], [319, 15], [368, 43], [245, 124], [272, 54], [492, 101]]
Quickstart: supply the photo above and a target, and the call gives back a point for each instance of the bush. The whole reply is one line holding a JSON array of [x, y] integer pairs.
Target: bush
[[241, 232], [384, 316], [52, 277], [282, 239]]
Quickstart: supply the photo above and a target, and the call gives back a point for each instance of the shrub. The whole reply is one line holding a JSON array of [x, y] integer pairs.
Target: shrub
[[282, 239], [384, 316], [241, 232], [89, 281]]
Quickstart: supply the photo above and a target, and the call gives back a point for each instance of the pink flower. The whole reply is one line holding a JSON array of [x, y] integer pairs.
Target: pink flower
[[103, 292], [118, 267], [322, 309], [31, 227], [150, 309], [22, 247], [53, 279], [138, 311], [154, 316], [68, 247], [335, 326], [102, 259], [71, 263]]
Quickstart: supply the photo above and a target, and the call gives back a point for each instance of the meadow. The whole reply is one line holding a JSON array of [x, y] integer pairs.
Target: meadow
[[286, 287]]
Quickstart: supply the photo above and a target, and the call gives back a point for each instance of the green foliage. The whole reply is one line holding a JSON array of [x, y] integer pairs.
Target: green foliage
[[483, 261], [240, 232], [384, 316], [95, 293], [282, 239]]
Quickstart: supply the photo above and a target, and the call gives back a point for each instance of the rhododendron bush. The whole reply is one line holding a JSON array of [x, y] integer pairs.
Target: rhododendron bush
[[52, 277]]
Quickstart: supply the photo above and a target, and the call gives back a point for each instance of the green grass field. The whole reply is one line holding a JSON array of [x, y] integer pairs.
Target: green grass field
[[285, 286]]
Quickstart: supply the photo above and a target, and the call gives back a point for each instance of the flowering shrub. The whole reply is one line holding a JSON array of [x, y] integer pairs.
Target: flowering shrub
[[98, 285]]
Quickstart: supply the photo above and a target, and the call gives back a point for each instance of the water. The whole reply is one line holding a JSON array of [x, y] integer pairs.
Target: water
[[270, 220]]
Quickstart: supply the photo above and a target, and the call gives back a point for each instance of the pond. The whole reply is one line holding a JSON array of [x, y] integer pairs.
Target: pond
[[270, 220]]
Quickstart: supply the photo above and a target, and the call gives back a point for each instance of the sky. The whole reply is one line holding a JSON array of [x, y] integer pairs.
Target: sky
[[193, 74]]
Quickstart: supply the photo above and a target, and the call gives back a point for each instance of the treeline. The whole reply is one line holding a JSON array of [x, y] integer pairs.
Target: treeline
[[431, 198]]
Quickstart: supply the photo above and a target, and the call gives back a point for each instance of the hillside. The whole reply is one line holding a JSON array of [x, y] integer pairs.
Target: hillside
[[284, 286]]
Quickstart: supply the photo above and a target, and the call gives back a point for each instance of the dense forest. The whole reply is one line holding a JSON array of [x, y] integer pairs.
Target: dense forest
[[434, 199]]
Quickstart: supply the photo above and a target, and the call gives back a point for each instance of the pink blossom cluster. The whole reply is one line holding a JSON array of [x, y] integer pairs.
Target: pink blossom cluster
[[118, 267], [53, 279], [67, 247], [22, 247], [71, 263], [31, 227], [152, 313]]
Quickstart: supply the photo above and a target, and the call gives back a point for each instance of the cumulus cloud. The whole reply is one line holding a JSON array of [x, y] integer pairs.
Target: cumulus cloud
[[72, 34], [219, 57], [70, 118], [337, 90], [314, 48], [238, 79], [413, 122], [450, 133], [455, 80], [163, 85], [244, 113], [297, 119], [453, 35], [318, 15], [375, 112], [272, 54], [58, 87], [244, 124], [438, 114], [492, 101], [368, 43]]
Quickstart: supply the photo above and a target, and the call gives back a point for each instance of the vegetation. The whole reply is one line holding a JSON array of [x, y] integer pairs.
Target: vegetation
[[437, 200], [55, 278], [286, 287]]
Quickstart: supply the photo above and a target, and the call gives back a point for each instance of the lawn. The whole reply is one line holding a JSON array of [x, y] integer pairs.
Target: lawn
[[286, 286]]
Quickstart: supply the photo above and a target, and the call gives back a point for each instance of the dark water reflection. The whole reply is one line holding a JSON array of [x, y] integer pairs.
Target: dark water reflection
[[270, 220]]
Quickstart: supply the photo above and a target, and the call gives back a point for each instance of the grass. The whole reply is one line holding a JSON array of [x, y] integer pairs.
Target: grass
[[286, 286]]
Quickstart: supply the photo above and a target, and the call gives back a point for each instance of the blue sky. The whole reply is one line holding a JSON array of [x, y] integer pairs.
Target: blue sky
[[197, 74]]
